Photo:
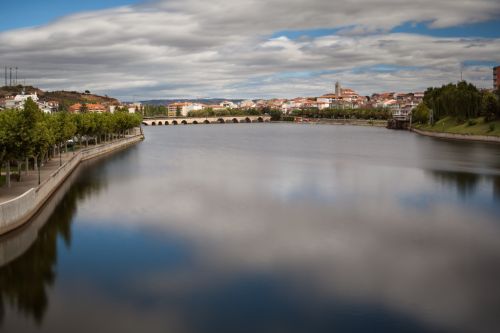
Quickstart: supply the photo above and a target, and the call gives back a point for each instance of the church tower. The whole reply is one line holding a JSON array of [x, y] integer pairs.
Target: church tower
[[337, 89]]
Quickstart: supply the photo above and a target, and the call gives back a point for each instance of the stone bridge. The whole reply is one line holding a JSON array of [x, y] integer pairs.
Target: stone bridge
[[205, 120]]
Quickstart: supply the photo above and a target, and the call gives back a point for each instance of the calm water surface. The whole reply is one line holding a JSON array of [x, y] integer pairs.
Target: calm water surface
[[265, 228]]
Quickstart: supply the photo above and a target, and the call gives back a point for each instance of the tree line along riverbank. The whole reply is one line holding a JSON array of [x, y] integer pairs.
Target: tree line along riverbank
[[277, 115], [459, 109], [29, 137]]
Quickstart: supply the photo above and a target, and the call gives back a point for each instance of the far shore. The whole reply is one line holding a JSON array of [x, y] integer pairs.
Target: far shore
[[354, 122]]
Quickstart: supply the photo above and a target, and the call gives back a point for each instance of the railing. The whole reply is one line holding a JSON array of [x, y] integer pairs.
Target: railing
[[19, 210]]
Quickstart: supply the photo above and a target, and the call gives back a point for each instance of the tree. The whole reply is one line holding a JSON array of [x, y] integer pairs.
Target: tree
[[29, 133], [491, 106], [26, 123], [275, 115], [63, 129], [43, 139], [8, 130], [421, 114], [461, 100]]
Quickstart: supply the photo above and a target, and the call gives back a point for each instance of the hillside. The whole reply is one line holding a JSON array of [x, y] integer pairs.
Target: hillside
[[64, 98], [476, 126], [198, 100]]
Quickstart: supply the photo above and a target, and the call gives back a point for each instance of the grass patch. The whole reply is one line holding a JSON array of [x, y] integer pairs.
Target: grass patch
[[476, 126]]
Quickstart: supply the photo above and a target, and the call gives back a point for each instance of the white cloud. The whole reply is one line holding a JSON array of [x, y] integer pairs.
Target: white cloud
[[220, 48]]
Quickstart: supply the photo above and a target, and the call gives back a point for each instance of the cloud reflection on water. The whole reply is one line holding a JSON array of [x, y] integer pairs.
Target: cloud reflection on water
[[307, 233], [340, 229]]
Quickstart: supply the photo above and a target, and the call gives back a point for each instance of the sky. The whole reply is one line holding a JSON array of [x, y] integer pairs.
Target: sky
[[158, 49]]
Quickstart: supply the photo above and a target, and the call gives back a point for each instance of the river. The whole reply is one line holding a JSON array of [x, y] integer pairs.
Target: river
[[265, 228]]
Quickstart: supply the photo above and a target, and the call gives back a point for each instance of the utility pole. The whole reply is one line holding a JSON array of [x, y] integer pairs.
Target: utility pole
[[16, 77], [6, 76], [10, 76]]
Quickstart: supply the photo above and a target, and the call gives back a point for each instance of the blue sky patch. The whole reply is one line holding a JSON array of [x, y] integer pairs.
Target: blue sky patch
[[29, 13], [488, 29]]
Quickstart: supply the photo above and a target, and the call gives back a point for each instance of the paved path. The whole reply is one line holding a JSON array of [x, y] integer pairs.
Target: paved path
[[30, 180]]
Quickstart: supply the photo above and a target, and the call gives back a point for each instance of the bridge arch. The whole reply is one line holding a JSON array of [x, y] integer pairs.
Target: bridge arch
[[160, 123], [166, 122], [206, 121], [174, 122], [247, 120], [184, 122], [145, 123], [260, 120], [234, 120], [195, 122], [153, 124], [221, 121]]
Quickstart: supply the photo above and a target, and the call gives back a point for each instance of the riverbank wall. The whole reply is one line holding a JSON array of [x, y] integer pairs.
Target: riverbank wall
[[18, 211], [352, 122], [462, 137]]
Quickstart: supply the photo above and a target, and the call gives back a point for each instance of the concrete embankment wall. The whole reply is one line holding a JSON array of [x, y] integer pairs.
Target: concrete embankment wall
[[16, 212], [466, 137], [17, 242], [352, 122]]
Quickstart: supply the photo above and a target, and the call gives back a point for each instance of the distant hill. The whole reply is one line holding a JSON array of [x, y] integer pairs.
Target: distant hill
[[199, 100], [64, 98], [15, 90]]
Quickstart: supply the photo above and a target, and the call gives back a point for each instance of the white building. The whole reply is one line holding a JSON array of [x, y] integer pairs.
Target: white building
[[228, 105], [247, 104], [18, 101], [332, 100], [191, 107], [48, 107], [134, 107]]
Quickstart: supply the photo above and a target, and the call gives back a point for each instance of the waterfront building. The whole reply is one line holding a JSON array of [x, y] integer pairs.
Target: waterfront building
[[93, 108], [184, 108], [177, 107], [228, 105], [135, 107], [214, 107], [247, 104]]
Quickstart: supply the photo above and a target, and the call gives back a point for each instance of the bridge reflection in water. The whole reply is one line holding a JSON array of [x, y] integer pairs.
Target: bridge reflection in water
[[205, 120]]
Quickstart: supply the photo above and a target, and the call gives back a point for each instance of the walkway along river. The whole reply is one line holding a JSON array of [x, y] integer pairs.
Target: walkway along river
[[19, 210], [265, 227]]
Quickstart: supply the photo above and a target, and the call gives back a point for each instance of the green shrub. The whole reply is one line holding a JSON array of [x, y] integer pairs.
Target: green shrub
[[420, 114], [491, 128], [471, 122]]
